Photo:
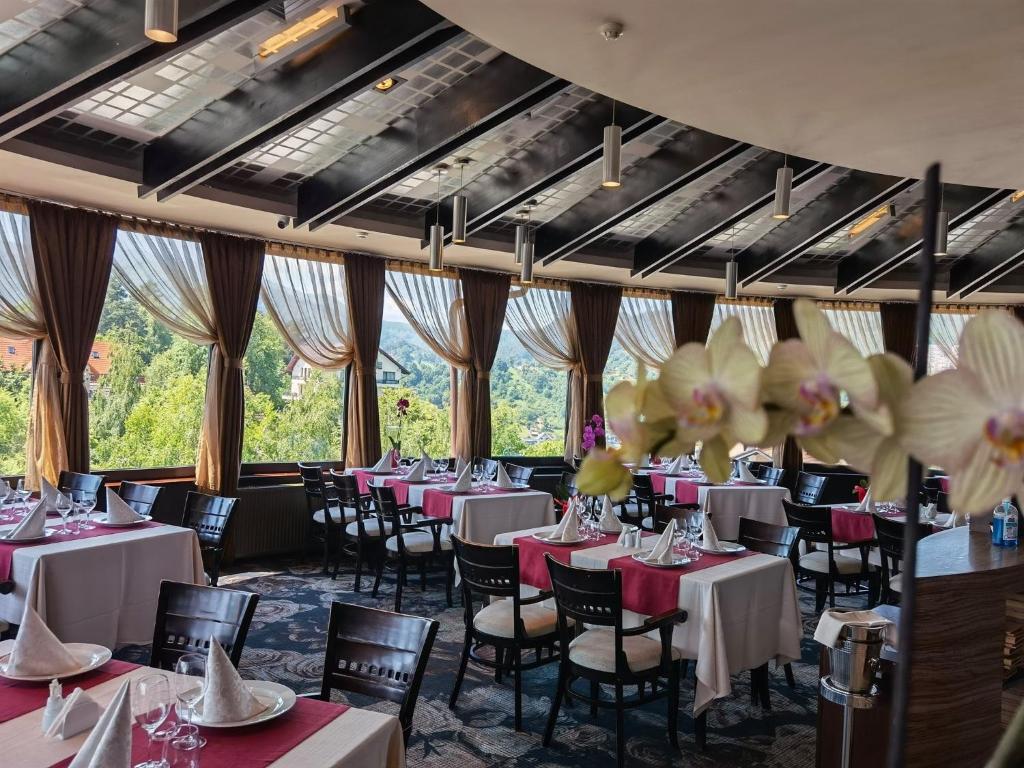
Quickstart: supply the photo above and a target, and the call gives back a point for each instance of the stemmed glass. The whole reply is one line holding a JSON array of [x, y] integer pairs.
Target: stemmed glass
[[86, 503], [64, 508], [478, 471], [188, 690], [151, 703], [6, 494], [489, 473], [22, 492]]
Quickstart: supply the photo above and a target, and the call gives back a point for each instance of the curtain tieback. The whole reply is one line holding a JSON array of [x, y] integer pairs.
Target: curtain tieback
[[232, 362], [364, 372], [485, 375]]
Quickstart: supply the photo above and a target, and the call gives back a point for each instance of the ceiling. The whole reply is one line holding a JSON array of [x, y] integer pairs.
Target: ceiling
[[208, 132]]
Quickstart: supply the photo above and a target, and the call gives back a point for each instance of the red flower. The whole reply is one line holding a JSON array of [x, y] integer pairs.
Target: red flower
[[403, 406]]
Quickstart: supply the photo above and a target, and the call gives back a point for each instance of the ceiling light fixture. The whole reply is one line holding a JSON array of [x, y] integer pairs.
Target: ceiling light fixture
[[611, 157], [783, 187], [1016, 196], [460, 206], [942, 227], [731, 278], [436, 230], [296, 31], [889, 209], [386, 84], [526, 274], [162, 20], [523, 215]]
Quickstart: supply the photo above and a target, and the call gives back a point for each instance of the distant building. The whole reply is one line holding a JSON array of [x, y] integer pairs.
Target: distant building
[[17, 354], [389, 373]]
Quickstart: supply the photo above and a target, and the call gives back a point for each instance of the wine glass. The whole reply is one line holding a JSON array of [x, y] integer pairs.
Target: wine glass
[[64, 508], [489, 472], [189, 687], [6, 495], [478, 471], [151, 703], [86, 503], [184, 747], [22, 492]]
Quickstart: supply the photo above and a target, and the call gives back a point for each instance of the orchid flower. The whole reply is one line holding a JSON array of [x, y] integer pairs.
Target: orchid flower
[[805, 379], [603, 473], [970, 421]]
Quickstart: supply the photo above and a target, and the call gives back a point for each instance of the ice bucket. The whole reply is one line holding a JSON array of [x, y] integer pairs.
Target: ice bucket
[[855, 659]]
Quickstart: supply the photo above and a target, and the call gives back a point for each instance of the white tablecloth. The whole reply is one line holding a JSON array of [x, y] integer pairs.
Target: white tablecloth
[[728, 503], [739, 615], [481, 518], [102, 590], [356, 739]]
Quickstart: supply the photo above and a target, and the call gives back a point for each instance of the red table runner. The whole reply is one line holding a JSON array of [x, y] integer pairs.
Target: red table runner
[[7, 550], [438, 503], [402, 486], [533, 570], [651, 591], [252, 746], [850, 526], [17, 699]]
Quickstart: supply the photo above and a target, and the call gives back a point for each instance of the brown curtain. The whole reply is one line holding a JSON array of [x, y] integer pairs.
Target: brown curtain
[[1018, 311], [789, 456], [691, 316], [364, 281], [898, 328], [485, 298], [234, 271], [595, 310], [73, 251]]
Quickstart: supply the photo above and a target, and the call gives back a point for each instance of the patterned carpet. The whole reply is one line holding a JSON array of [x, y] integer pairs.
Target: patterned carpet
[[286, 644]]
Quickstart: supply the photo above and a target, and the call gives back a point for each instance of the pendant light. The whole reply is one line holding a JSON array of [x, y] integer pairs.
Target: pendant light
[[520, 245], [526, 274], [162, 20], [436, 230], [942, 227], [460, 206], [731, 270], [783, 187], [611, 158]]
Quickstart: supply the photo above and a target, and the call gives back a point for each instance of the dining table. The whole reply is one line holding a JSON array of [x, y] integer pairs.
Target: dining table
[[742, 610], [100, 585], [312, 734]]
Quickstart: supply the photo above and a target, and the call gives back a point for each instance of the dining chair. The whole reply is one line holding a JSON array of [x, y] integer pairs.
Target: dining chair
[[488, 465], [646, 500], [809, 488], [141, 498], [210, 517], [325, 520], [368, 531], [822, 565], [351, 503], [773, 475], [889, 534], [378, 653], [69, 483], [414, 541], [187, 616], [608, 654], [518, 474], [664, 513], [507, 622]]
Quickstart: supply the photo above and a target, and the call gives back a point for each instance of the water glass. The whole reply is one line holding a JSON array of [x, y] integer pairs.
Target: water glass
[[86, 503], [151, 703], [64, 509], [22, 492], [189, 686], [184, 747], [489, 473]]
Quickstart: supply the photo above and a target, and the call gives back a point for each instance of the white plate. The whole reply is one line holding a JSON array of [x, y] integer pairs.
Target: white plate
[[4, 537], [90, 657], [677, 561], [102, 522], [724, 548], [557, 542], [277, 698]]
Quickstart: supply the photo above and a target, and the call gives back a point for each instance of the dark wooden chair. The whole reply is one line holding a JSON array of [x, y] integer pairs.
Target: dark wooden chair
[[663, 513], [325, 522], [507, 622], [519, 474], [646, 501], [809, 488], [378, 653], [210, 517], [773, 475], [487, 465], [76, 484], [610, 655], [414, 541], [821, 565], [942, 503], [779, 541], [141, 498], [889, 534], [368, 532], [187, 616]]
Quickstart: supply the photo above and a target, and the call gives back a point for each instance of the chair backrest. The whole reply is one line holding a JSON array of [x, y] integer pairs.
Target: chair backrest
[[378, 653], [778, 540], [942, 502], [187, 616], [568, 482], [488, 465], [139, 497], [209, 516], [70, 482], [346, 489], [890, 542], [313, 484], [773, 475], [489, 572], [678, 512], [815, 523], [809, 488], [519, 474]]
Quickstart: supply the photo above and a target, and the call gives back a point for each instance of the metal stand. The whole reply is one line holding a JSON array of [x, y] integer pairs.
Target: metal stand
[[849, 702]]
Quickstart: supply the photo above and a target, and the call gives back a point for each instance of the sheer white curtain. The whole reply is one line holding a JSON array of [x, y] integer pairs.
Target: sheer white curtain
[[758, 323], [541, 318], [645, 329], [863, 327], [946, 328], [433, 306]]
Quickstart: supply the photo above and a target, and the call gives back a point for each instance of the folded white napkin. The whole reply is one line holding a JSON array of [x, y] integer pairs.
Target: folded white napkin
[[928, 511], [568, 528], [609, 522], [955, 520], [425, 458], [867, 504], [37, 651], [831, 624], [687, 462], [708, 533], [745, 474], [118, 510], [32, 526], [110, 743], [48, 495], [418, 471], [662, 552], [384, 464], [503, 480], [227, 698], [460, 465], [675, 467], [80, 711], [464, 482]]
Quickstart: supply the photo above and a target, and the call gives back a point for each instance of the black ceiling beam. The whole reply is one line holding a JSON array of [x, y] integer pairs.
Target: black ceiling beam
[[690, 155], [546, 162], [727, 205], [988, 263], [879, 256], [94, 46], [485, 99], [382, 37], [849, 199]]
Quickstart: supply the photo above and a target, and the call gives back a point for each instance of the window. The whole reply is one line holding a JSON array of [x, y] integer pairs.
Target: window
[[10, 350], [16, 366]]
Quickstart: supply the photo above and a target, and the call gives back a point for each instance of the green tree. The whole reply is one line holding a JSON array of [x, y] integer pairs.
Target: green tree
[[115, 398], [163, 428], [265, 360], [507, 428], [307, 428], [424, 428]]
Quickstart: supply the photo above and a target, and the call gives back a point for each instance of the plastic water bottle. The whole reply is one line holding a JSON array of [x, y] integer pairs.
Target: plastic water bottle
[[998, 524], [1011, 518]]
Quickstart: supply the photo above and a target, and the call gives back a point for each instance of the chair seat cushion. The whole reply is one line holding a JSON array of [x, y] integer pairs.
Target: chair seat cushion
[[496, 619], [647, 523], [595, 649], [817, 561], [417, 542], [336, 516], [372, 528], [896, 583]]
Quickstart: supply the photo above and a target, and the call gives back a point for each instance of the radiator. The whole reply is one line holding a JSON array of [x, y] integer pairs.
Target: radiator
[[269, 520]]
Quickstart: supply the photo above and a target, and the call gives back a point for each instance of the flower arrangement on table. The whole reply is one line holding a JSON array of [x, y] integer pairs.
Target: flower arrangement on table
[[401, 411], [593, 433], [837, 404]]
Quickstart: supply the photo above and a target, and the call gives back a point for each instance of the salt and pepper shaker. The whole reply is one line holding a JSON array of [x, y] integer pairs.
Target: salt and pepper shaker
[[54, 704]]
